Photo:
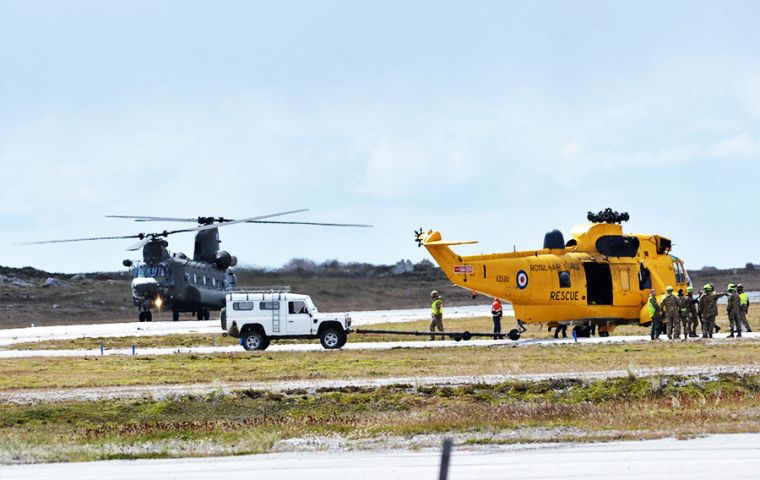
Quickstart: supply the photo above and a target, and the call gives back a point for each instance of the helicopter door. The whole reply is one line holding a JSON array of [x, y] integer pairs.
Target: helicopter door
[[598, 283]]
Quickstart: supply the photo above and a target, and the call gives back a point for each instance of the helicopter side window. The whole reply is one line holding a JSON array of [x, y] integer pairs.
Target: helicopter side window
[[564, 279], [242, 306], [645, 278]]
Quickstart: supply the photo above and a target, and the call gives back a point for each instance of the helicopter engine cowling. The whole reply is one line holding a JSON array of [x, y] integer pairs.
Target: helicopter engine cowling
[[223, 260]]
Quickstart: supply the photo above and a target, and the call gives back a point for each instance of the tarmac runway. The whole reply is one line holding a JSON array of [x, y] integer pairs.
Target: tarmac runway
[[713, 457], [359, 318]]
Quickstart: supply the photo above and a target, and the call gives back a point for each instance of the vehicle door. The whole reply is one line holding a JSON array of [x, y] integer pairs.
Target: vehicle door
[[299, 320]]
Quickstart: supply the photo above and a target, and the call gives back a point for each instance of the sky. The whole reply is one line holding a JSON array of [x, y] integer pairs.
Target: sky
[[489, 121]]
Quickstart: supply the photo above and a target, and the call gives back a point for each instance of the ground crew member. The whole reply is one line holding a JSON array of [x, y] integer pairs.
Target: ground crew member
[[683, 315], [436, 312], [733, 308], [743, 307], [708, 310], [655, 314], [670, 314], [692, 311], [496, 313]]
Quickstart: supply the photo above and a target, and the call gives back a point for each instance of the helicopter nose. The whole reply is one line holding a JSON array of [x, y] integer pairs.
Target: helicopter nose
[[145, 287]]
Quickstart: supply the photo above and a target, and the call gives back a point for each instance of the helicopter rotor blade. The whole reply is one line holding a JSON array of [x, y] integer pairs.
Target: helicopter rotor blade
[[313, 223], [140, 244], [88, 239], [219, 220], [139, 218]]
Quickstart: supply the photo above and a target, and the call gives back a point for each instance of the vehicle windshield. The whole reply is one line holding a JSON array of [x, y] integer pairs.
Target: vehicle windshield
[[310, 306]]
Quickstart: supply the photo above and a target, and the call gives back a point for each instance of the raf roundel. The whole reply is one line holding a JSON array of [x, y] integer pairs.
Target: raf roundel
[[522, 279]]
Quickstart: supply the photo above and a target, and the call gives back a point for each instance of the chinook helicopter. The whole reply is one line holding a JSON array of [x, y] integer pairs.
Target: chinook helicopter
[[600, 278], [198, 284]]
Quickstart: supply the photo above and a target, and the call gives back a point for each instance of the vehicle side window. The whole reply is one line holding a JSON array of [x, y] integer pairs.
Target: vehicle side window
[[297, 307], [195, 278], [242, 306], [564, 279], [204, 279], [213, 282], [269, 305]]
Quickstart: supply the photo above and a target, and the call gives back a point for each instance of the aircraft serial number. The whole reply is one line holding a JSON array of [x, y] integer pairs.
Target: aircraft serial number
[[561, 295], [551, 267], [502, 278]]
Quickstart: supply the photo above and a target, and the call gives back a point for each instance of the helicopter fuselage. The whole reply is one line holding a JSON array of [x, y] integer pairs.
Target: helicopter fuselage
[[180, 284], [600, 277]]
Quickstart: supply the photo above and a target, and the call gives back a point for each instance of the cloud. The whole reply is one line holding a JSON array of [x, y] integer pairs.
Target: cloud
[[737, 147]]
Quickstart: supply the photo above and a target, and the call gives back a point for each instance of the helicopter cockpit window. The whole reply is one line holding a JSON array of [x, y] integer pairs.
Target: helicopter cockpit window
[[242, 305], [617, 246], [564, 279], [297, 307], [148, 271], [679, 271]]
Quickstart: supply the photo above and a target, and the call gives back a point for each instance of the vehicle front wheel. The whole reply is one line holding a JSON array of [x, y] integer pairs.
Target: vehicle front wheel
[[255, 341], [331, 338]]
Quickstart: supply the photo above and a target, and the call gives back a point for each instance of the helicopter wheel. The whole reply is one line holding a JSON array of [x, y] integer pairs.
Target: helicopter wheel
[[148, 316], [206, 314], [141, 316], [175, 315]]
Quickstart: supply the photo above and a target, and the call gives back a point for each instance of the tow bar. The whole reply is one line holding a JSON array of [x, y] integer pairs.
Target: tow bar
[[513, 334]]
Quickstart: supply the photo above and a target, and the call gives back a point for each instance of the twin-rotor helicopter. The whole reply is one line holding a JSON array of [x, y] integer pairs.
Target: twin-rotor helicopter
[[163, 280]]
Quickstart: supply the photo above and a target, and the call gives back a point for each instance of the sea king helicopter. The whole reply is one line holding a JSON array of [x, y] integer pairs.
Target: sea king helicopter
[[600, 278], [198, 284]]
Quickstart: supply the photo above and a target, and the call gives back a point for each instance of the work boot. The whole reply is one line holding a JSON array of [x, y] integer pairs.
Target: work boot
[[717, 328], [731, 336], [739, 334]]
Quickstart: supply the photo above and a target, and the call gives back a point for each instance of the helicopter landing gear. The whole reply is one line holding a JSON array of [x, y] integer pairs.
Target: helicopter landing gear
[[175, 315], [145, 316], [203, 314]]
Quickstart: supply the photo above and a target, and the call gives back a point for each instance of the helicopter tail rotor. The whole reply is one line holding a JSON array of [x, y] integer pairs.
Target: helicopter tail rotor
[[418, 237]]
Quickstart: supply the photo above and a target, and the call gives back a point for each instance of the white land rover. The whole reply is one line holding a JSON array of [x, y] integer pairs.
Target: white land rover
[[259, 315]]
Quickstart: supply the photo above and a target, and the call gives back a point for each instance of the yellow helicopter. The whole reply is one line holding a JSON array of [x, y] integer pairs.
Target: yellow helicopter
[[600, 278]]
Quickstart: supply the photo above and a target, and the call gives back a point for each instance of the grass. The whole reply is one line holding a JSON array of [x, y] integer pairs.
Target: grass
[[251, 421], [96, 371]]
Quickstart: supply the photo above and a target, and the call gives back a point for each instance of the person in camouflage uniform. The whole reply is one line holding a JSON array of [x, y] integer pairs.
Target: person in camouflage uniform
[[655, 315], [743, 307], [683, 315], [692, 311], [708, 310], [733, 308], [671, 316]]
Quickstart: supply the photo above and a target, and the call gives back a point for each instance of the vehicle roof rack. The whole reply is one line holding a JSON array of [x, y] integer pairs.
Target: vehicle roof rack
[[263, 289]]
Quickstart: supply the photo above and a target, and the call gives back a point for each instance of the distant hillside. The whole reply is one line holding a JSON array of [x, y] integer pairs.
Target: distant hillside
[[28, 295]]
